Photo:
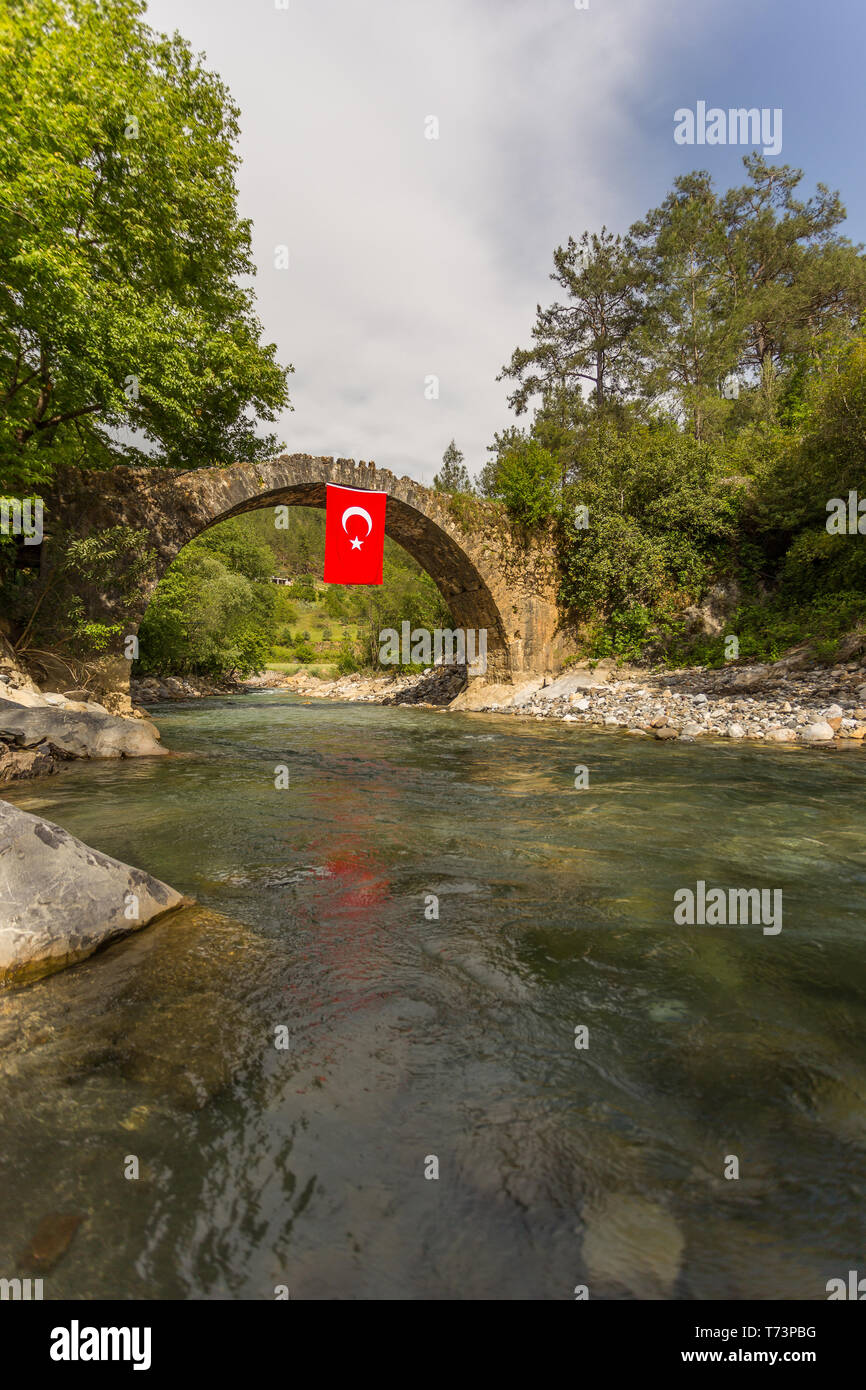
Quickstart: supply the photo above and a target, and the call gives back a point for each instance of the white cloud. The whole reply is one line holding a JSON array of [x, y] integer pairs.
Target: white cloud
[[412, 256]]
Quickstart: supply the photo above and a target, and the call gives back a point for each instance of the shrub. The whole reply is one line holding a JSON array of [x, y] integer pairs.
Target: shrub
[[528, 482], [347, 657]]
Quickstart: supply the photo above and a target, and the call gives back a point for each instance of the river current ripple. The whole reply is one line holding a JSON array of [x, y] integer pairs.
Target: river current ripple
[[415, 1037]]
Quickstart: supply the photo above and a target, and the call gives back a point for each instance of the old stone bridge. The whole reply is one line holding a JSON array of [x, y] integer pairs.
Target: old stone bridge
[[490, 575]]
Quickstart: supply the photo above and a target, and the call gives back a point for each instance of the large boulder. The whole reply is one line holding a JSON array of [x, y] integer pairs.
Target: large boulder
[[60, 900], [78, 732]]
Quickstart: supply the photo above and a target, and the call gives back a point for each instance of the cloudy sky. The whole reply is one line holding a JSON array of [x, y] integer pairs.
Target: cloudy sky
[[411, 257]]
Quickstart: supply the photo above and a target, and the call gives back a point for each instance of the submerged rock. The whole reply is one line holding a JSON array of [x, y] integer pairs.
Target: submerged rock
[[60, 900], [50, 1243], [631, 1244]]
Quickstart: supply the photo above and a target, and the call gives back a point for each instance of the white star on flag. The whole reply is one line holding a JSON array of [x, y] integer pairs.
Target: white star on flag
[[356, 544]]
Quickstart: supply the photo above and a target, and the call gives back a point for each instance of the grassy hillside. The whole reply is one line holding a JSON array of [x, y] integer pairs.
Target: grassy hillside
[[334, 628], [305, 633]]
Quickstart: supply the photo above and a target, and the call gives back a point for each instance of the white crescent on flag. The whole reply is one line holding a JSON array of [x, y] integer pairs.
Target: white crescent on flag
[[354, 534], [358, 511]]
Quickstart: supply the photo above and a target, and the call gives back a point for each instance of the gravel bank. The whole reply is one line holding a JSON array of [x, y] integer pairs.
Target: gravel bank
[[778, 702]]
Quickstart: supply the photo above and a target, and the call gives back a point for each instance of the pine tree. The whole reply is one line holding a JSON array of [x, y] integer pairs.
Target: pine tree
[[587, 338], [452, 476], [693, 329]]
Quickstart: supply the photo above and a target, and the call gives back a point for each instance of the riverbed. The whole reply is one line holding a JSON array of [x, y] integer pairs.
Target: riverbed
[[424, 907]]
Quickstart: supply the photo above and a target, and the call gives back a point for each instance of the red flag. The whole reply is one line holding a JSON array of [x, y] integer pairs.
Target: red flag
[[354, 535]]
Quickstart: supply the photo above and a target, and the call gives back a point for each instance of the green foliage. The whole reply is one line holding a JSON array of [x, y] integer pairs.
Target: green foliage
[[285, 611], [662, 521], [587, 339], [334, 602], [692, 324], [303, 589], [238, 550], [705, 285], [297, 548], [452, 476], [688, 485], [833, 456], [503, 441], [61, 607], [347, 657], [794, 275], [467, 511], [122, 305], [624, 633], [211, 614], [528, 482], [765, 630]]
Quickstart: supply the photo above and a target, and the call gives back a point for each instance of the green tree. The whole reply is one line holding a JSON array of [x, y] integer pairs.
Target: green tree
[[347, 657], [452, 476], [212, 613], [239, 549], [794, 274], [693, 329], [586, 339], [122, 252], [662, 517], [503, 442], [529, 482], [681, 488]]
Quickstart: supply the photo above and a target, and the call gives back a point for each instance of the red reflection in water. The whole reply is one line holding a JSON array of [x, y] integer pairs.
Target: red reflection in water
[[342, 907]]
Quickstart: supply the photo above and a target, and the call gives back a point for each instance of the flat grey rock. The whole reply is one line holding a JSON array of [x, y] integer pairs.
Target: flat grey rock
[[524, 693], [571, 682], [60, 900], [31, 699], [80, 733]]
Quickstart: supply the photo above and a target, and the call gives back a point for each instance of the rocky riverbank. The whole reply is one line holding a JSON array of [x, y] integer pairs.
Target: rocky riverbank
[[150, 690], [783, 702], [40, 731], [751, 703], [437, 686]]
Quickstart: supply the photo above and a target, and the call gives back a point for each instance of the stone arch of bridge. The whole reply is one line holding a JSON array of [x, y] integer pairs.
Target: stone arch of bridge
[[491, 576], [452, 568]]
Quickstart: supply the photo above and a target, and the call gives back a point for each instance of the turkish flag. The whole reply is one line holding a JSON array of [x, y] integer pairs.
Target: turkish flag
[[354, 535]]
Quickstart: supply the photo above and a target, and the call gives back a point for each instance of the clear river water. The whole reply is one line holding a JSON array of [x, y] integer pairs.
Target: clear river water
[[418, 1041]]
